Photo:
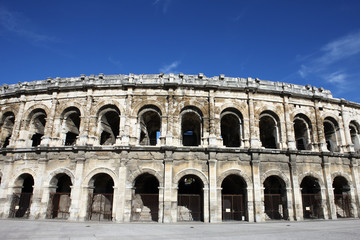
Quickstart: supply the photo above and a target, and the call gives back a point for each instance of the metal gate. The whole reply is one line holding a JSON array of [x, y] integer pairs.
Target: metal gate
[[59, 205], [100, 206], [343, 204], [189, 207], [233, 207], [20, 205], [274, 208], [311, 205]]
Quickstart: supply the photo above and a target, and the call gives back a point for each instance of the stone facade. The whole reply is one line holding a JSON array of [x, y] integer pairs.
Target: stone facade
[[171, 148]]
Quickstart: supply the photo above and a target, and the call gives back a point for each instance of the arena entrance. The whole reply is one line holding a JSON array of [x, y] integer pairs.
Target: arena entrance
[[342, 197], [311, 198], [101, 197], [275, 198], [233, 194], [21, 202], [145, 203], [190, 199], [60, 201]]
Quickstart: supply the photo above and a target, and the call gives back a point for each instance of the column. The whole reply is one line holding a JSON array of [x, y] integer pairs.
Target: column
[[6, 188], [349, 146], [355, 198], [254, 133], [15, 138], [213, 199], [212, 136], [319, 129], [121, 189], [79, 200], [290, 135], [329, 188], [37, 207], [296, 191], [170, 195], [47, 138], [258, 188]]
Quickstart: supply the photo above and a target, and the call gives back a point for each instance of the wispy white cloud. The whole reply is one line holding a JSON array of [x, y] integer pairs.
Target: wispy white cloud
[[170, 68], [115, 62], [164, 4], [332, 56], [16, 23]]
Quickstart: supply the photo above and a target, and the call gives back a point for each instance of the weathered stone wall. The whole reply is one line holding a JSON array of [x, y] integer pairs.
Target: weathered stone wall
[[76, 139]]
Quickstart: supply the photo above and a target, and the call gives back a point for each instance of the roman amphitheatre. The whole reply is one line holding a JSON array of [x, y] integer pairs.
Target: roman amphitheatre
[[172, 147]]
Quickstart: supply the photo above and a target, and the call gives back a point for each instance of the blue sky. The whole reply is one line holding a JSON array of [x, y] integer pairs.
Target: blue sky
[[302, 42]]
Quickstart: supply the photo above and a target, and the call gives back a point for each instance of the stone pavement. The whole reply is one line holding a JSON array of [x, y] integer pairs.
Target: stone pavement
[[51, 229]]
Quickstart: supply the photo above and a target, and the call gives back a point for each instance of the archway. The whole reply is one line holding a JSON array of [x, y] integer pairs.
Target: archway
[[234, 198], [311, 198], [101, 197], [342, 197], [60, 201], [190, 199], [275, 198], [269, 130], [145, 204], [20, 206], [231, 127]]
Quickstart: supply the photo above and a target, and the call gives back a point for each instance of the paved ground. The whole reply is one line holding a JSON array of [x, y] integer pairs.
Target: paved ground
[[27, 229]]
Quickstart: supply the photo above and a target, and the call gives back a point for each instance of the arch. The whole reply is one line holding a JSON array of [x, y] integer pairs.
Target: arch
[[58, 171], [275, 197], [100, 105], [149, 120], [147, 104], [311, 197], [201, 107], [234, 198], [22, 171], [99, 170], [35, 123], [108, 121], [344, 175], [146, 198], [34, 108], [303, 132], [234, 171], [138, 172], [71, 125], [277, 173], [354, 129], [64, 106], [60, 195], [23, 191], [7, 123], [269, 128], [342, 196], [332, 134], [191, 126], [231, 126], [311, 174], [191, 171]]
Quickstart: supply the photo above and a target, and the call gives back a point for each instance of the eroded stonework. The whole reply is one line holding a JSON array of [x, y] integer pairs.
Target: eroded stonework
[[171, 148]]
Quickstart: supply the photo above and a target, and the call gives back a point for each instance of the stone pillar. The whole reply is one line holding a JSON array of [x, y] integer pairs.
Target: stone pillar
[[326, 165], [79, 198], [119, 197], [6, 188], [170, 118], [349, 146], [258, 198], [47, 138], [290, 210], [125, 140], [296, 191], [355, 198], [319, 128], [213, 199], [254, 132], [290, 135], [37, 207], [250, 204], [212, 135], [324, 205], [170, 195], [15, 137]]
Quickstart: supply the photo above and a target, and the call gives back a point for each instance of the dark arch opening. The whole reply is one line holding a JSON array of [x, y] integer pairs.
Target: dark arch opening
[[268, 130], [7, 125], [60, 199], [145, 206], [190, 198], [38, 122], [342, 197], [110, 125], [330, 131], [231, 129], [234, 198], [150, 124], [311, 198], [72, 125], [275, 198], [101, 197], [22, 202]]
